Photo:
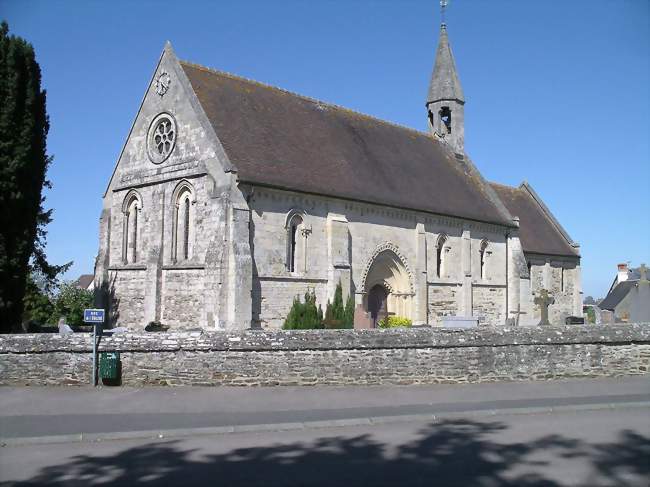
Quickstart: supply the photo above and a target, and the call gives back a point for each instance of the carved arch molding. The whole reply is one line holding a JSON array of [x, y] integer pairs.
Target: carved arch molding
[[388, 254]]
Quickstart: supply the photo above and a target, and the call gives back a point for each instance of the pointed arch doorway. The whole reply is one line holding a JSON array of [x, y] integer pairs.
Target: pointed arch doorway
[[377, 304], [387, 286]]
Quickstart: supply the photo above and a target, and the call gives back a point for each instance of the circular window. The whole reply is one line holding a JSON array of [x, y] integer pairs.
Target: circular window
[[162, 138]]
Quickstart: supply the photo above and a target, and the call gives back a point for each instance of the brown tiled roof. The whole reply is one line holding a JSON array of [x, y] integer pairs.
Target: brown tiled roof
[[284, 140], [539, 232]]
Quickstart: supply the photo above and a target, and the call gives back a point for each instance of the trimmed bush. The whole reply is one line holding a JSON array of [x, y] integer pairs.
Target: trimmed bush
[[336, 314], [304, 316], [394, 322]]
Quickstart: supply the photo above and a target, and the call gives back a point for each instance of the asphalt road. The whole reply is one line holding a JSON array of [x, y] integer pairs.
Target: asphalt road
[[578, 432], [586, 448]]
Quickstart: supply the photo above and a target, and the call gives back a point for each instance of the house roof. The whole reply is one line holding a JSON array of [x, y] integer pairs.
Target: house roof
[[617, 294], [280, 139], [85, 280], [539, 231]]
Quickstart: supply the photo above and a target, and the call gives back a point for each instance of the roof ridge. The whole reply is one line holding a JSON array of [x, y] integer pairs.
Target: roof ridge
[[503, 185], [304, 97]]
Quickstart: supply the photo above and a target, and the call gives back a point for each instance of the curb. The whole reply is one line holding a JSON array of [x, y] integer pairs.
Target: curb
[[307, 425]]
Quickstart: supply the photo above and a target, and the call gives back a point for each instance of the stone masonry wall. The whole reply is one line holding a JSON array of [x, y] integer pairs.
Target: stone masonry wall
[[337, 357], [442, 302], [489, 303], [274, 298]]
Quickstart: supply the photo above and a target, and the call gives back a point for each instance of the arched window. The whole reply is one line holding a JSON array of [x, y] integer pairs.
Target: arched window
[[294, 228], [440, 255], [483, 253], [183, 226], [131, 231]]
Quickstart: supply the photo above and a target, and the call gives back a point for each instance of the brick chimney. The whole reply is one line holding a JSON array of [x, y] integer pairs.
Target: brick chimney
[[623, 273]]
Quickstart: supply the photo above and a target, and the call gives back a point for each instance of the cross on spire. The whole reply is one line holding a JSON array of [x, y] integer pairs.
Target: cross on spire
[[443, 6]]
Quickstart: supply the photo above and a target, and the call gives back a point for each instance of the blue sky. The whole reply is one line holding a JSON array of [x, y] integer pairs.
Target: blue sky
[[557, 93]]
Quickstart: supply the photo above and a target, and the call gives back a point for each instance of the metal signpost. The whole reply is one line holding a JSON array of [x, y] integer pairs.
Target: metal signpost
[[96, 317]]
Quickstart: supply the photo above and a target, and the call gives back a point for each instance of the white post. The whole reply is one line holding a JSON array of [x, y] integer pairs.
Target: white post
[[93, 379]]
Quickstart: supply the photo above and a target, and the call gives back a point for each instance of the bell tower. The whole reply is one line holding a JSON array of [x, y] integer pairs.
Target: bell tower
[[445, 100]]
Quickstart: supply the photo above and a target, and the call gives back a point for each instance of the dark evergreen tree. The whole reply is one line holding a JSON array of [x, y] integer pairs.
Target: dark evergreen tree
[[348, 314], [304, 316], [23, 167], [336, 314]]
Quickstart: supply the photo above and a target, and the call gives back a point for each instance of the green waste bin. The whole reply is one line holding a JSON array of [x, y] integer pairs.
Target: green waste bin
[[109, 367]]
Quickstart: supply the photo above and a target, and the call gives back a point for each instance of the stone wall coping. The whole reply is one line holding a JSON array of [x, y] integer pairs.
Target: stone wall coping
[[297, 340]]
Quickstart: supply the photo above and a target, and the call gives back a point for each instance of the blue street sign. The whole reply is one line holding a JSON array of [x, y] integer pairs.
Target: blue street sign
[[93, 316]]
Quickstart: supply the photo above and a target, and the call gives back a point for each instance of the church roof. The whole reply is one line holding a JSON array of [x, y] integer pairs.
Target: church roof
[[539, 231], [280, 139], [445, 84]]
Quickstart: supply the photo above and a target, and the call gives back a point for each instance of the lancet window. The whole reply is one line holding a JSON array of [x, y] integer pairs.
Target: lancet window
[[183, 226], [483, 253], [131, 231]]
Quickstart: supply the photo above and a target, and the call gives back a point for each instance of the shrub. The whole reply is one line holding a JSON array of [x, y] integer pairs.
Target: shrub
[[70, 303], [394, 322], [336, 314], [304, 316]]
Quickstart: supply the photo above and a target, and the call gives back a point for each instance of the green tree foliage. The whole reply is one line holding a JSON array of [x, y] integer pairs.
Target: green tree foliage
[[304, 316], [336, 314], [38, 307], [70, 303], [348, 315], [23, 167]]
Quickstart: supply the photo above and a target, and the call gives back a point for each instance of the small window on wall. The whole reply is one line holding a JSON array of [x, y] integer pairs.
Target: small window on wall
[[440, 256], [562, 279], [183, 224], [530, 270], [483, 253], [293, 235], [131, 230]]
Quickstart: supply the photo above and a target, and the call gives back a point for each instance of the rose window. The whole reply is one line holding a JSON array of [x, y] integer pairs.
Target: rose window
[[162, 138]]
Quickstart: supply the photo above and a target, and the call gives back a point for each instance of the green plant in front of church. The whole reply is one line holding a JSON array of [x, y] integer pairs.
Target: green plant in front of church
[[70, 303], [395, 322], [338, 315], [304, 316]]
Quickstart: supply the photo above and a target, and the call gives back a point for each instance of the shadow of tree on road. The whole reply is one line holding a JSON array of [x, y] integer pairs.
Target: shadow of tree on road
[[446, 453]]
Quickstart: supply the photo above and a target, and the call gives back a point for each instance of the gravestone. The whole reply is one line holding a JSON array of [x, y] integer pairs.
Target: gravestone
[[64, 328], [459, 321], [544, 300]]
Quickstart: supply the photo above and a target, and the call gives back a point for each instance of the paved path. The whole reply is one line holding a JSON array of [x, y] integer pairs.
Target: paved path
[[68, 414]]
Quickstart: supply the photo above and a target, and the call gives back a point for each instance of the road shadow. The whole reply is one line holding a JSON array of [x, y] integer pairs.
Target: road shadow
[[447, 453]]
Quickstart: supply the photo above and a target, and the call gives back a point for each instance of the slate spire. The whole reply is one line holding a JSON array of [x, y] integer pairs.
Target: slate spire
[[445, 84], [445, 98]]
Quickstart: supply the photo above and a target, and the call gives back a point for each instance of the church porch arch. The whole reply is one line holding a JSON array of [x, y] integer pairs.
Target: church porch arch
[[387, 286]]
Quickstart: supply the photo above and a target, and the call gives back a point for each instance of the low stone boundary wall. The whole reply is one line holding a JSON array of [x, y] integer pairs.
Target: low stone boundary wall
[[393, 356]]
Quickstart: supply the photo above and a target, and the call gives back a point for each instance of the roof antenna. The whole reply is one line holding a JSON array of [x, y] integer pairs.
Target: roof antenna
[[443, 6]]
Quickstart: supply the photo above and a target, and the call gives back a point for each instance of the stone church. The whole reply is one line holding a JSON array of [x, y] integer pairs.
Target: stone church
[[231, 197]]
